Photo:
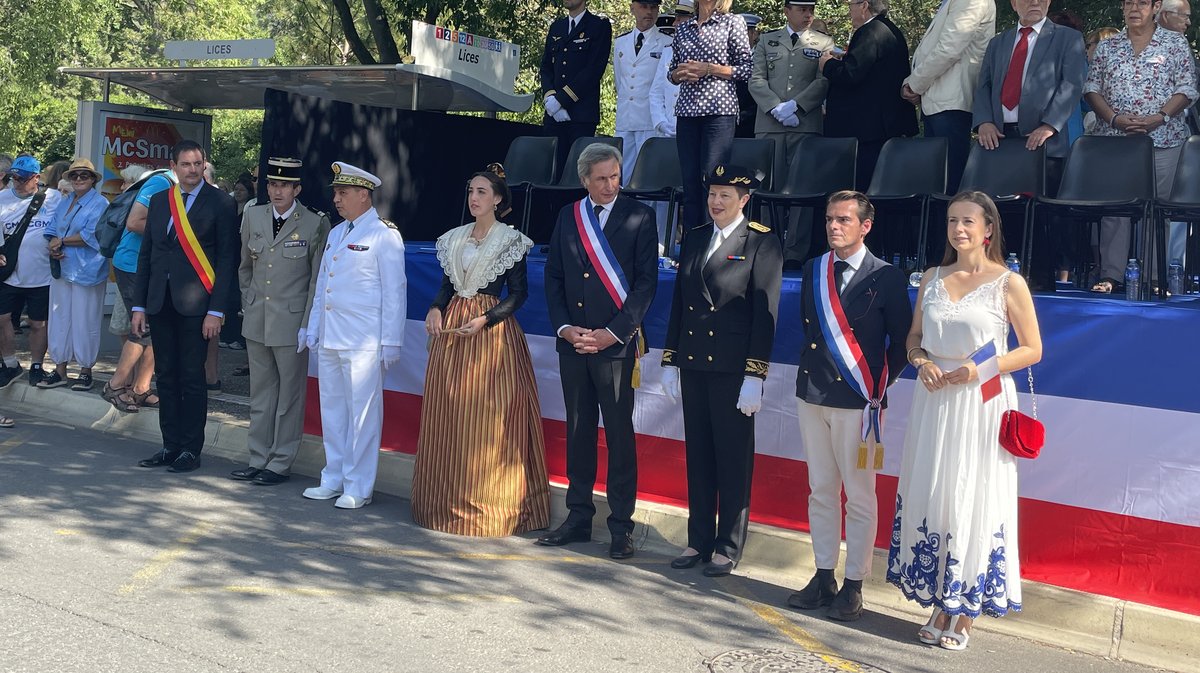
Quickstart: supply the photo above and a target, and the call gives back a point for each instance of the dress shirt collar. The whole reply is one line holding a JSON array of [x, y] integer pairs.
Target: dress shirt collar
[[194, 192], [854, 260], [1037, 28], [287, 214], [606, 206], [724, 234]]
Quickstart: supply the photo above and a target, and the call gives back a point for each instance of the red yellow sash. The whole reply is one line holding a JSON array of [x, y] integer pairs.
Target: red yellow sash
[[188, 241]]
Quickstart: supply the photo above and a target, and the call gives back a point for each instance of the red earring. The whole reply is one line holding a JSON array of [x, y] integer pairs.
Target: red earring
[[987, 241]]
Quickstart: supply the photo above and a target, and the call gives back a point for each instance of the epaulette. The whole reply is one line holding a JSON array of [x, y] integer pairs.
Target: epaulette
[[760, 228], [314, 211], [623, 34], [392, 225]]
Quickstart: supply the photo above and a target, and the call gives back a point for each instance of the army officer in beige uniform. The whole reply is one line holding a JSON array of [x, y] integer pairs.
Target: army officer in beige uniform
[[282, 242], [787, 84]]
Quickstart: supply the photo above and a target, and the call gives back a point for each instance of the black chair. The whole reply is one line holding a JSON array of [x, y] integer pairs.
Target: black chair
[[1181, 205], [529, 160], [908, 172], [1105, 176], [757, 154], [656, 177], [820, 167], [558, 192], [1013, 176]]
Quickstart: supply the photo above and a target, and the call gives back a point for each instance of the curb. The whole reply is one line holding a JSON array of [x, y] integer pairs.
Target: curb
[[1074, 620]]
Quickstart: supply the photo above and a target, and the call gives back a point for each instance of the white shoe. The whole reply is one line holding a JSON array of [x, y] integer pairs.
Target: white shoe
[[320, 493], [351, 502]]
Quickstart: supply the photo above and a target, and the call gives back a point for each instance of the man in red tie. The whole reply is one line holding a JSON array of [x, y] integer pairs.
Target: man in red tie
[[1030, 83]]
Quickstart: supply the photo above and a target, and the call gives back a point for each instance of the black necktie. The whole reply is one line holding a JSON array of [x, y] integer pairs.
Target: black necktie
[[172, 234], [278, 225], [598, 209], [637, 45], [795, 37], [839, 268], [572, 26]]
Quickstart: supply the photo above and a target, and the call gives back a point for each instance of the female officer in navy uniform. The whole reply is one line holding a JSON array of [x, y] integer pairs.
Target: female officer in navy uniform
[[719, 341]]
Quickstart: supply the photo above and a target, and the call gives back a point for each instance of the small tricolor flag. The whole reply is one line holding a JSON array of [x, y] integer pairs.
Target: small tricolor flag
[[987, 364]]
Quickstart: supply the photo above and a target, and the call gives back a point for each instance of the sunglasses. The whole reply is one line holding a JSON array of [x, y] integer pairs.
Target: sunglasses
[[17, 178], [80, 176]]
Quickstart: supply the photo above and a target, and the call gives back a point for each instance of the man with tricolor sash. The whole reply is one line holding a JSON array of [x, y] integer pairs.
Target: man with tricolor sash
[[856, 315], [186, 277], [601, 274]]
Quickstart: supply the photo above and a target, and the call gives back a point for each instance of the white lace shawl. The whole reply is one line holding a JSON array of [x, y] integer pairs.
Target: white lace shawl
[[500, 250]]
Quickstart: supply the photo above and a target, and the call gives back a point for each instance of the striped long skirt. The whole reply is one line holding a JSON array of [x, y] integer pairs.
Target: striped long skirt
[[481, 463]]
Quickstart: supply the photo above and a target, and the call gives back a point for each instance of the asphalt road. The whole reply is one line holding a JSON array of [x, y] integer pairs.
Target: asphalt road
[[105, 566]]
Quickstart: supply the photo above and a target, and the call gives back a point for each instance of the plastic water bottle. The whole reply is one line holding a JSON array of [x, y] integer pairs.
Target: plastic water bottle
[[914, 279], [1175, 278], [896, 260], [1013, 263], [1195, 285], [1133, 281]]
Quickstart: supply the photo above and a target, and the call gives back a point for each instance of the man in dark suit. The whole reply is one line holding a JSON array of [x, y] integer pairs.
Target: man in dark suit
[[864, 87], [601, 275], [717, 354], [186, 277], [834, 394], [1030, 83], [573, 63]]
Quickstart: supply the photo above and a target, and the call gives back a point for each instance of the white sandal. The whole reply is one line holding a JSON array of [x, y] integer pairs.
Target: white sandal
[[934, 634], [953, 640]]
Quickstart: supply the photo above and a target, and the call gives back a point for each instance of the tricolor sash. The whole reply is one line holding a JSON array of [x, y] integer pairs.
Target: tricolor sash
[[600, 254], [848, 356], [188, 241]]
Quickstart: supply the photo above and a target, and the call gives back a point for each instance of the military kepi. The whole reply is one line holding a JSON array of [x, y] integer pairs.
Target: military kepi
[[284, 170], [733, 176], [345, 175]]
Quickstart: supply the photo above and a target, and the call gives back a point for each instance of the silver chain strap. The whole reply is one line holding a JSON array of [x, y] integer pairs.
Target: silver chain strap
[[1032, 394]]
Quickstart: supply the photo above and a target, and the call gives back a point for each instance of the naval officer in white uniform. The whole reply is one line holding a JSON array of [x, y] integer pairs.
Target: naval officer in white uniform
[[636, 57], [357, 329]]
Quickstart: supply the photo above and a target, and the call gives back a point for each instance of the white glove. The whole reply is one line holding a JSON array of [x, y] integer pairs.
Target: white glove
[[750, 399], [389, 356], [787, 107], [552, 105], [790, 121], [665, 129], [301, 340], [311, 341], [561, 116], [670, 382]]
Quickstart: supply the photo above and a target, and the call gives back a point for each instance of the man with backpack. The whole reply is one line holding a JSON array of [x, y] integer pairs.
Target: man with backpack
[[25, 266], [129, 388]]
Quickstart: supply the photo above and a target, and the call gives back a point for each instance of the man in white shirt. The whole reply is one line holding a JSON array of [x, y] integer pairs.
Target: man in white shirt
[[29, 282], [636, 57]]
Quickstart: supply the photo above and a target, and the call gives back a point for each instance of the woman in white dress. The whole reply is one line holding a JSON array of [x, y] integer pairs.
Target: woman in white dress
[[954, 538]]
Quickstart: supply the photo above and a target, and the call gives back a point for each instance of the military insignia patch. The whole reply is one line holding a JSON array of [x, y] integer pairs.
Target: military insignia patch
[[809, 52], [760, 228]]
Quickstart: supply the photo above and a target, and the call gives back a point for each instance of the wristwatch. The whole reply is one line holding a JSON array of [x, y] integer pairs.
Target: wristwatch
[[1166, 117]]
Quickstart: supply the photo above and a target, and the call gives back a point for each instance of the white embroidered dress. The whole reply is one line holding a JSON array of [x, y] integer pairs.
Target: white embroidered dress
[[954, 536]]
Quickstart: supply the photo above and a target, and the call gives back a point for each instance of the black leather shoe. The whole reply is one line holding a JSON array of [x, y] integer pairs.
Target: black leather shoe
[[683, 562], [719, 569], [564, 534], [847, 605], [186, 462], [269, 478], [621, 547], [245, 474], [818, 593], [159, 459]]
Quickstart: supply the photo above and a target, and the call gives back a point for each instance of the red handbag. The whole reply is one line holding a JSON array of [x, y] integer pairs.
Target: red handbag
[[1023, 436]]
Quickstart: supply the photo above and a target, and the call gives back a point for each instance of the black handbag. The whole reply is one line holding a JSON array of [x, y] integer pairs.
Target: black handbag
[[12, 242]]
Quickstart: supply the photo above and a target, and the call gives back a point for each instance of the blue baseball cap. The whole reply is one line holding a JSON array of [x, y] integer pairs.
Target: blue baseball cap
[[25, 166]]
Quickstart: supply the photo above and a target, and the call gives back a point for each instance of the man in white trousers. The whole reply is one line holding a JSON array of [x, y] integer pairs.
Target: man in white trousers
[[856, 311], [357, 329], [636, 57]]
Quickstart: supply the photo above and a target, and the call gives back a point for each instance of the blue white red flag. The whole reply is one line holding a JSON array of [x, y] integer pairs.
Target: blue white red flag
[[987, 364]]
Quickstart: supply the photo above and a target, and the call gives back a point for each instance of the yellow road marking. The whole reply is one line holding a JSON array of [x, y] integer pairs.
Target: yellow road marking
[[323, 592], [793, 631], [67, 531], [11, 443], [159, 564]]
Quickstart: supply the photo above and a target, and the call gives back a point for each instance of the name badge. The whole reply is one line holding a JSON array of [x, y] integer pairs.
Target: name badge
[[295, 244], [359, 248], [809, 52], [774, 57], [656, 54]]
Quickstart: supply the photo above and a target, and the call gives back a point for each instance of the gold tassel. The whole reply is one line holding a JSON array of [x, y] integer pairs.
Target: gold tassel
[[637, 374], [637, 359], [862, 455], [879, 456]]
